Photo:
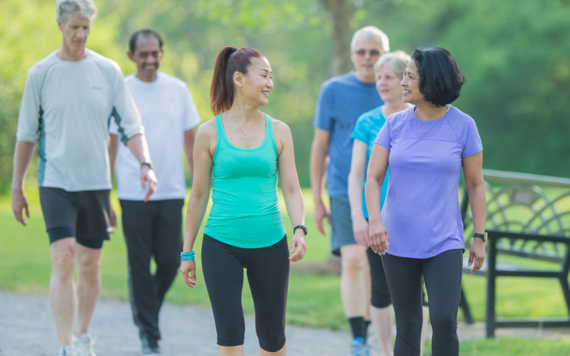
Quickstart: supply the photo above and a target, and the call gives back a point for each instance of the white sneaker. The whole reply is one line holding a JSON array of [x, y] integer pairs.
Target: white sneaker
[[83, 345], [66, 351]]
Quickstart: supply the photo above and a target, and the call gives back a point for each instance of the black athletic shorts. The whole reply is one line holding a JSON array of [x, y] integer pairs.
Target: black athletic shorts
[[85, 215]]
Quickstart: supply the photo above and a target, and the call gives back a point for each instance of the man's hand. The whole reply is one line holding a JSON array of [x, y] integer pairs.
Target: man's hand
[[320, 214], [20, 203], [378, 237], [148, 177], [113, 218], [360, 230], [476, 254]]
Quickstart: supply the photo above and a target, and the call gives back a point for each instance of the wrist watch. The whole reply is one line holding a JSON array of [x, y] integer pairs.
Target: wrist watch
[[148, 164], [302, 227], [481, 236]]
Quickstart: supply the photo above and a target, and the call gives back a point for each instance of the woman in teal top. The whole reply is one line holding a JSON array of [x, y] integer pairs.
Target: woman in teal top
[[242, 151], [388, 69]]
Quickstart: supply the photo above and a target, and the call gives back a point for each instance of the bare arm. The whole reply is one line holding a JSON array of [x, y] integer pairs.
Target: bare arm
[[199, 195], [113, 147], [319, 153], [138, 146], [475, 184], [22, 158], [291, 189], [188, 148], [355, 180], [377, 167]]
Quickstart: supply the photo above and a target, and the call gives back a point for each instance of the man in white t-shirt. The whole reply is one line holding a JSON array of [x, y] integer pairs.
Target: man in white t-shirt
[[68, 101], [154, 228]]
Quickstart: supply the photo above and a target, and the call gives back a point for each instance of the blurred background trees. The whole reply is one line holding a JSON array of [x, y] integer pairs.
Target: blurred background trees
[[515, 55]]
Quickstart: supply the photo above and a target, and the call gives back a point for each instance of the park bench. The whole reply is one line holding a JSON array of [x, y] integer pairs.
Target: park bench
[[528, 220]]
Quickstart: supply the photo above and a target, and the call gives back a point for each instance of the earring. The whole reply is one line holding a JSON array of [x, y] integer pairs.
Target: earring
[[239, 85]]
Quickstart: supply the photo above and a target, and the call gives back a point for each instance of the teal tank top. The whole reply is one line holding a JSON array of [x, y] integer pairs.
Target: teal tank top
[[245, 210]]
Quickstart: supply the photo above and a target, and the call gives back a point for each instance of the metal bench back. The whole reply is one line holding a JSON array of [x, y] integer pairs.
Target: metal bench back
[[528, 204]]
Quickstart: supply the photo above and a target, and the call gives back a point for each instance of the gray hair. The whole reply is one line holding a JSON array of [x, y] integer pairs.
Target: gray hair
[[396, 61], [85, 8], [370, 32]]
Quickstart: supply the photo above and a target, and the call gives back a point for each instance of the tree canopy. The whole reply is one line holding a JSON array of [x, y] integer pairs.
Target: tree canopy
[[514, 54]]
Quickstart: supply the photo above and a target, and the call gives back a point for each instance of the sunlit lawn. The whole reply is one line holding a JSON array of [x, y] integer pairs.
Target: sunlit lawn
[[314, 300]]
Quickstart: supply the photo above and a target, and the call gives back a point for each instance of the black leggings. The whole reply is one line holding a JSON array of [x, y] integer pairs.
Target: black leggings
[[380, 291], [442, 275], [268, 276]]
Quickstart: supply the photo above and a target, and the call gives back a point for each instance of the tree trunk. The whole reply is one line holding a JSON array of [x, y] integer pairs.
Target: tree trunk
[[341, 12]]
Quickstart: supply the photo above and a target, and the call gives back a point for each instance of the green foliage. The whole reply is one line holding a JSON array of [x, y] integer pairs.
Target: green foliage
[[516, 57], [514, 54]]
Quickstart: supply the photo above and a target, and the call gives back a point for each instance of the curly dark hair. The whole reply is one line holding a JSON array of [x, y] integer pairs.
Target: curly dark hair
[[440, 77]]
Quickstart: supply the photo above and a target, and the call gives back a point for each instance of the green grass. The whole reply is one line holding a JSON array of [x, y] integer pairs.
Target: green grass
[[511, 346], [314, 300]]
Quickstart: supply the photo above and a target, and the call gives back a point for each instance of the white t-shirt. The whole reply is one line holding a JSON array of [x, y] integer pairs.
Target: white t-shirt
[[66, 109], [167, 111]]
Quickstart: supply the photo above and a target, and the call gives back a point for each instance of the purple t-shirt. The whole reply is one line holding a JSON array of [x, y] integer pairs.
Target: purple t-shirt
[[421, 212]]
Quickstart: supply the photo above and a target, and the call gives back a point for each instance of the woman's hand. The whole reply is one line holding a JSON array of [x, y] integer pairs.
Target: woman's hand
[[378, 237], [298, 242], [188, 270], [360, 230], [476, 254]]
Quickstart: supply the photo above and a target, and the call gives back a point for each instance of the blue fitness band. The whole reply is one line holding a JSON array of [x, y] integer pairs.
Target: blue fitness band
[[187, 256]]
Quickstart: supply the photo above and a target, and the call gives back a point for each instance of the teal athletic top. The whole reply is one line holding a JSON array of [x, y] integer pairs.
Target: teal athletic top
[[245, 210]]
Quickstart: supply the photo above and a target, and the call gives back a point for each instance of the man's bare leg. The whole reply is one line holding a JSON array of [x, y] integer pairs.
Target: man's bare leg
[[88, 284], [354, 264], [382, 322], [62, 295]]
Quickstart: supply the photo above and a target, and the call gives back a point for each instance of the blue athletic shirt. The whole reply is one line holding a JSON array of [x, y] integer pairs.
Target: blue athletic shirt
[[341, 101], [366, 130]]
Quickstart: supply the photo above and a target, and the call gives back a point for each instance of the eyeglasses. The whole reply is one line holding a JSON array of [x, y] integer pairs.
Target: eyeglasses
[[406, 78], [372, 52]]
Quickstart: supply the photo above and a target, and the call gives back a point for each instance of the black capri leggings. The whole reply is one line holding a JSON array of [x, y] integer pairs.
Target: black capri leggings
[[380, 290], [442, 275], [268, 276]]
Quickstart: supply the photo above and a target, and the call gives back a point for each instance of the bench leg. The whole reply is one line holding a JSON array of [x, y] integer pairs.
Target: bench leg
[[565, 291], [465, 308]]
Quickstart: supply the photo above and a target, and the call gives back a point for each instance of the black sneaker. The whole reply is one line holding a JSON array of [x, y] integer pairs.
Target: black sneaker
[[150, 347]]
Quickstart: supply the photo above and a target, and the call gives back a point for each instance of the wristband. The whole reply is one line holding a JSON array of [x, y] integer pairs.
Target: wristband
[[302, 227], [187, 256], [148, 164]]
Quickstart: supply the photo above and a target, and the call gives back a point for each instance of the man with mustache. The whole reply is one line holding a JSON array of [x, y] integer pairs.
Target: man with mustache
[[154, 228]]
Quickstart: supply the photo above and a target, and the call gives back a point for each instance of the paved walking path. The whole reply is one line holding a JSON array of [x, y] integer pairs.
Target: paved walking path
[[26, 329]]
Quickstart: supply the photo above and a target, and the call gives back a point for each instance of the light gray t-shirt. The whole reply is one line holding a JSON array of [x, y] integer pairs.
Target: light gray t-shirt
[[66, 110], [167, 111]]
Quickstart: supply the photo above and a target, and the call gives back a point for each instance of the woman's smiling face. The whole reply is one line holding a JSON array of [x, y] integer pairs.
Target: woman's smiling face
[[388, 84], [411, 84], [257, 83]]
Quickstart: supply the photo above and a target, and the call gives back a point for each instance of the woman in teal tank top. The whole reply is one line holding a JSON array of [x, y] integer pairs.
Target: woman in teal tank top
[[243, 151]]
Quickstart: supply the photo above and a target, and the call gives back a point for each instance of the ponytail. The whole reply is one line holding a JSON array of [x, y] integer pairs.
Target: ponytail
[[229, 61]]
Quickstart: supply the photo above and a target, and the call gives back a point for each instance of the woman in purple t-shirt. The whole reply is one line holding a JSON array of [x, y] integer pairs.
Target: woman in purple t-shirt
[[420, 230]]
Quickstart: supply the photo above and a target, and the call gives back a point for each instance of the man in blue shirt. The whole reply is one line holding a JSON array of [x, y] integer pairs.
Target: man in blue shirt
[[341, 101]]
